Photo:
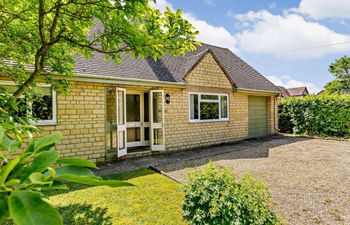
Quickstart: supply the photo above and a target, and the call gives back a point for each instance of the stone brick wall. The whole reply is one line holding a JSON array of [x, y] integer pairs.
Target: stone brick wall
[[208, 74], [81, 119], [208, 77]]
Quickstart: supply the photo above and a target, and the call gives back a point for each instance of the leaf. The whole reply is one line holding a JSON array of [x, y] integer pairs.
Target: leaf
[[93, 181], [3, 207], [56, 185], [6, 170], [77, 162], [43, 142], [11, 145], [41, 163], [28, 208], [75, 170], [39, 178]]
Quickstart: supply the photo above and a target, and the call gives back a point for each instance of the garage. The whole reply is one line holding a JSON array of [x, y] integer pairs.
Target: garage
[[257, 116]]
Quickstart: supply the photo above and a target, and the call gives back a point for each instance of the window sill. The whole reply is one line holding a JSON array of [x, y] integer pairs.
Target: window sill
[[209, 121], [43, 123]]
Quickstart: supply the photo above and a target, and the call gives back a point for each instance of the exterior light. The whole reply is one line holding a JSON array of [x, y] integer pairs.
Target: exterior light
[[167, 99]]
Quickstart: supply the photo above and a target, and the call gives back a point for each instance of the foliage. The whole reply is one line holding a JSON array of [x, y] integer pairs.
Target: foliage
[[48, 35], [326, 115], [341, 70], [13, 116], [25, 176], [213, 196]]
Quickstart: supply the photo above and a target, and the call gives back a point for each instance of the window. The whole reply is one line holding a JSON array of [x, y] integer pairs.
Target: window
[[43, 107], [208, 107]]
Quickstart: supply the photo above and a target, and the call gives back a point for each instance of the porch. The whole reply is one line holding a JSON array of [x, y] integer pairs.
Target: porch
[[134, 121]]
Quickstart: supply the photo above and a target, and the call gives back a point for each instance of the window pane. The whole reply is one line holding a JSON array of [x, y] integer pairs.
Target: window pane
[[224, 113], [42, 105], [121, 100], [133, 108], [146, 107], [210, 97], [157, 107], [146, 133], [194, 107], [133, 134], [209, 110], [158, 137]]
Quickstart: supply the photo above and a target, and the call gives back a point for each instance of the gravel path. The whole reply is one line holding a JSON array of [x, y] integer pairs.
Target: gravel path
[[309, 178]]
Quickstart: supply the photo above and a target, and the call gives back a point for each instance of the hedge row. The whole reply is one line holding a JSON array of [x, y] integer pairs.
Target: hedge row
[[325, 116]]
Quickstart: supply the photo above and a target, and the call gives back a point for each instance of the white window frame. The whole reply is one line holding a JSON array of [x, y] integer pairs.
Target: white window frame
[[53, 121], [208, 100]]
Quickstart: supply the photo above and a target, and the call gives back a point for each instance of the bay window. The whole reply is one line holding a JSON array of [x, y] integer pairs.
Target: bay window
[[208, 107]]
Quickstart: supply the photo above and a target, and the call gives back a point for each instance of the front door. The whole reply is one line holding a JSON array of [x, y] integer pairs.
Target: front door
[[137, 118], [121, 122], [157, 120]]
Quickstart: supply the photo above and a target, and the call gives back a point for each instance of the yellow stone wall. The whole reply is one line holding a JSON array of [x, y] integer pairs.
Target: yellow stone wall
[[81, 119]]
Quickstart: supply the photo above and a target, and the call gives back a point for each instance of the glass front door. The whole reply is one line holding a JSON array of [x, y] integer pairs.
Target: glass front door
[[137, 118], [157, 120]]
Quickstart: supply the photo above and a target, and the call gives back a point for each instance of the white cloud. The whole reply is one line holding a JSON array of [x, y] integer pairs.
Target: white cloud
[[210, 34], [287, 36], [287, 82], [209, 2], [320, 9]]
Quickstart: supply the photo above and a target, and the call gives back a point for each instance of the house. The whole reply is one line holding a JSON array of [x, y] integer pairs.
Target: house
[[293, 92], [142, 106]]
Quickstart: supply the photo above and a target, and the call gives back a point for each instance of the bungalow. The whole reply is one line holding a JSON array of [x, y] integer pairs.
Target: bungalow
[[293, 92], [142, 106]]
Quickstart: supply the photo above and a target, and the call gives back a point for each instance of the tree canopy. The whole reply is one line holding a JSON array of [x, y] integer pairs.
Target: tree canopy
[[40, 38], [341, 70]]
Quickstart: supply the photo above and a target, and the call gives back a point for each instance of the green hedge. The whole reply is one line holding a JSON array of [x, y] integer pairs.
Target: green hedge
[[325, 116]]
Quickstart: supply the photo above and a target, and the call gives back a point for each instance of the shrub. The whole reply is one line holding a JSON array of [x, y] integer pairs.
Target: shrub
[[327, 115], [213, 196]]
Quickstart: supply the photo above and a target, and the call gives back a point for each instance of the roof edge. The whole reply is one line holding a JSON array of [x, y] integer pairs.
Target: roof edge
[[121, 80], [255, 91]]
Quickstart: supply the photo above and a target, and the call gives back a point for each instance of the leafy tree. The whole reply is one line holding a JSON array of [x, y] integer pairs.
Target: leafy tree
[[341, 70], [49, 34], [39, 168]]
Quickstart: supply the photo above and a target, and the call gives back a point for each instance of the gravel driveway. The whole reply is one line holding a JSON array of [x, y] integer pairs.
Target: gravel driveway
[[309, 178]]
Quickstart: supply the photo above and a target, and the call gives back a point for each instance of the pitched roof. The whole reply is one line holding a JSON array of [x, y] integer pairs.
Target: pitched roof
[[175, 68], [298, 91], [284, 92]]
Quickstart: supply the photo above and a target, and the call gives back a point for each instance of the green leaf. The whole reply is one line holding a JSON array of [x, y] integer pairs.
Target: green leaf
[[39, 178], [93, 181], [77, 162], [3, 207], [28, 208], [56, 185], [43, 142], [11, 145], [75, 170], [41, 163], [6, 170]]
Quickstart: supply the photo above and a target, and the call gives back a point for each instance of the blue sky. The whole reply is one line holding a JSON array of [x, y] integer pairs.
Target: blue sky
[[292, 42]]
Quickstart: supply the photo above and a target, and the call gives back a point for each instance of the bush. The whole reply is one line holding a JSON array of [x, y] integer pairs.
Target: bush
[[327, 116], [213, 196]]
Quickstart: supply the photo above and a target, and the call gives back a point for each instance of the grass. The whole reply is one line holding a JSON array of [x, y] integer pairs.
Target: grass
[[155, 199]]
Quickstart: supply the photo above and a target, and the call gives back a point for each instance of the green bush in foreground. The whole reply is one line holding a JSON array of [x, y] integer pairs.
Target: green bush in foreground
[[25, 177], [214, 197], [327, 116]]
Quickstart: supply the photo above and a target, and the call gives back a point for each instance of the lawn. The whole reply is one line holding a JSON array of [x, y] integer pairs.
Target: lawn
[[155, 199]]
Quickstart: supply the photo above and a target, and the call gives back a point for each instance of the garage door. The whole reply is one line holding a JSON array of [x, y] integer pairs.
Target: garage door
[[257, 116]]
